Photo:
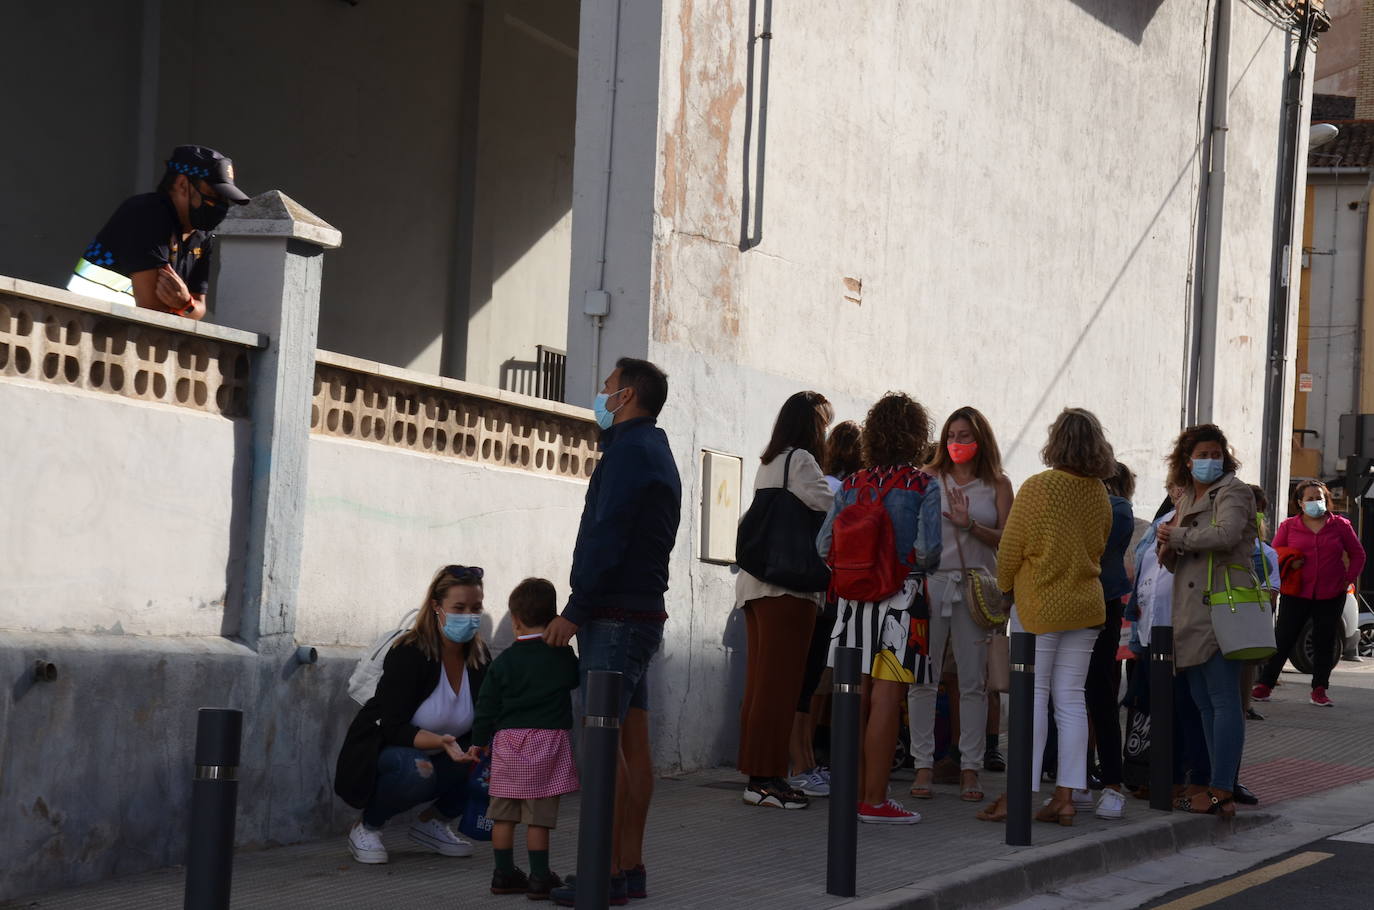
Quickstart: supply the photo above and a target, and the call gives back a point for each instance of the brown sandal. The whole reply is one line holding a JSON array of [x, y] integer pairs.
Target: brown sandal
[[996, 810]]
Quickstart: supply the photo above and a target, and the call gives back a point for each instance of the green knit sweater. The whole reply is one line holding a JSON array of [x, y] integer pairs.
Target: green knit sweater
[[526, 688]]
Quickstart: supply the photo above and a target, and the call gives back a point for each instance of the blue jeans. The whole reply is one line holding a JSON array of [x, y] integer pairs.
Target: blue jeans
[[625, 647], [1216, 691], [407, 777]]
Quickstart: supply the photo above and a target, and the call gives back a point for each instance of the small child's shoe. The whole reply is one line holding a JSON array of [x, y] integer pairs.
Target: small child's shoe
[[511, 881], [541, 885]]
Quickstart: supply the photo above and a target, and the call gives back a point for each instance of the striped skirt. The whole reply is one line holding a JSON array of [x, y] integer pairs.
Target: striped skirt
[[893, 634]]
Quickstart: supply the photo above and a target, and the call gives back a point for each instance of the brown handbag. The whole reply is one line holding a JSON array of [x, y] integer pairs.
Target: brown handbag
[[981, 595]]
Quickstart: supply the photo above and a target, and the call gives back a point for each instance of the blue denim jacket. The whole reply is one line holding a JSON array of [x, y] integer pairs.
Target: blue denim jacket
[[914, 507]]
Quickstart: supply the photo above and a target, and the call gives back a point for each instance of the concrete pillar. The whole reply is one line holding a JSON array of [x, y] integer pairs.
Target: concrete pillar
[[614, 174], [269, 270]]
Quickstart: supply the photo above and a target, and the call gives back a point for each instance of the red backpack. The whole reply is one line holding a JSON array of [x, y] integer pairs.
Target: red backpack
[[863, 549]]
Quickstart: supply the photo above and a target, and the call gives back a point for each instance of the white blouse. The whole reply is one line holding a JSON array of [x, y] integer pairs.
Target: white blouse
[[446, 712]]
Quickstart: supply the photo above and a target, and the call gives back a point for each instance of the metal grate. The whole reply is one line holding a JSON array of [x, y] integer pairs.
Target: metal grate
[[553, 368]]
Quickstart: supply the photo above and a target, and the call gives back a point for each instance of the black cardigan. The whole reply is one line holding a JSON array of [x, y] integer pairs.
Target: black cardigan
[[408, 678]]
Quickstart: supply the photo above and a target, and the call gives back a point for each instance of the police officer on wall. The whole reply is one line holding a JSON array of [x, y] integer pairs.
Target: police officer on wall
[[155, 249]]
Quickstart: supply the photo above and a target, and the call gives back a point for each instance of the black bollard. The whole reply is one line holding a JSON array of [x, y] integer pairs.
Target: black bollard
[[1162, 718], [842, 849], [600, 760], [1021, 738], [214, 797]]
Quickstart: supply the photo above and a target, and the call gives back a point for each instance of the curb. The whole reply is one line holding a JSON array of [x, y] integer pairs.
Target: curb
[[1035, 870]]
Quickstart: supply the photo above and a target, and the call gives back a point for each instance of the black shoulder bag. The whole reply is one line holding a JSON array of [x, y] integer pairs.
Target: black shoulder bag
[[777, 539]]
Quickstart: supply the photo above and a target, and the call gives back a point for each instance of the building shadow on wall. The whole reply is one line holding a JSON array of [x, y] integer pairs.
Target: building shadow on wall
[[241, 487], [1127, 17]]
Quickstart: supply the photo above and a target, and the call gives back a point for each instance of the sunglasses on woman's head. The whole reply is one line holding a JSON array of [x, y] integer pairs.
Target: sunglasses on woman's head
[[464, 572]]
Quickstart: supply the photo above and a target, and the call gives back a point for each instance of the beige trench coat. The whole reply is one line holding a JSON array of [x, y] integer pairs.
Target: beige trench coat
[[1222, 522]]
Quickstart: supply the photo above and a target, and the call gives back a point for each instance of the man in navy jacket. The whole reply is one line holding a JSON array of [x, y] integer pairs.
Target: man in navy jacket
[[619, 576]]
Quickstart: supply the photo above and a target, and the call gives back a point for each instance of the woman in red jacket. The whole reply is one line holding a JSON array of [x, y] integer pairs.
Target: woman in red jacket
[[1331, 559]]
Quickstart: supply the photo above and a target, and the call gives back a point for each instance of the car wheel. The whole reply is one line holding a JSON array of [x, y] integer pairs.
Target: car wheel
[[1365, 647], [1302, 654]]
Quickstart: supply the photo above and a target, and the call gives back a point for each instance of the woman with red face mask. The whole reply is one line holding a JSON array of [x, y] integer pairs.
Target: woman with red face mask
[[975, 501]]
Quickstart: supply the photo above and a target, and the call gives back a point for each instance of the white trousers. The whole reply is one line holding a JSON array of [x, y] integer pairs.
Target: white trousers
[[1061, 670], [970, 647]]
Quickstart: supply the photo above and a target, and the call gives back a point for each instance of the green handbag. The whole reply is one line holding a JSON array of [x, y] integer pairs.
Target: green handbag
[[1242, 617]]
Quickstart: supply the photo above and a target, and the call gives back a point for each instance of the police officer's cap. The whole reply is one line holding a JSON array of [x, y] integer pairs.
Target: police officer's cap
[[201, 163]]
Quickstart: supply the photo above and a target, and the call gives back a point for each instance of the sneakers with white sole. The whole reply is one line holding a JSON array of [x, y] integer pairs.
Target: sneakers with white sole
[[366, 845], [775, 794], [813, 782], [439, 837], [1111, 805], [890, 812], [1082, 799]]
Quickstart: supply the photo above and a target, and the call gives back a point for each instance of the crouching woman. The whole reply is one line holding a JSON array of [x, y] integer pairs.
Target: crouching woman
[[408, 744]]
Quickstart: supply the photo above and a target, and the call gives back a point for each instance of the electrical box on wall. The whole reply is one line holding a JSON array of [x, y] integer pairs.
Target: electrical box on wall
[[721, 482]]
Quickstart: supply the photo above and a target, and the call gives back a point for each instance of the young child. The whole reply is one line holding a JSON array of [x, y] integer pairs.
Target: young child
[[524, 715]]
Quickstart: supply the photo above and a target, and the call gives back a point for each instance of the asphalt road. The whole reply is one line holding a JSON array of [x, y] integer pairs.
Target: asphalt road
[[1336, 873]]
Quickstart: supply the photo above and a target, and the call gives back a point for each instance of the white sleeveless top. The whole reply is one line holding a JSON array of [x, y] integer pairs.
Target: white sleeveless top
[[982, 508], [446, 712]]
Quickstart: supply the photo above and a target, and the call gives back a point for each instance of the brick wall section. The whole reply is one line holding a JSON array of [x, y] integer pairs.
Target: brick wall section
[[1364, 98]]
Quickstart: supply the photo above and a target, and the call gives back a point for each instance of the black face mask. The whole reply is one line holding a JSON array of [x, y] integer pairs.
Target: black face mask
[[207, 216]]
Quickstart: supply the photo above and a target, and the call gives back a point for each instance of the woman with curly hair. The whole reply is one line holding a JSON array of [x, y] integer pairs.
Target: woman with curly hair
[[889, 627], [1215, 525], [1050, 561]]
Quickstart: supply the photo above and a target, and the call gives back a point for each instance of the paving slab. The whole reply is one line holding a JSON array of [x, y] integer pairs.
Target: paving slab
[[706, 848]]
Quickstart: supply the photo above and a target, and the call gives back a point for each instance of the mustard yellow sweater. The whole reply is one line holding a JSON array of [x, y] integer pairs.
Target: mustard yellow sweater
[[1051, 552]]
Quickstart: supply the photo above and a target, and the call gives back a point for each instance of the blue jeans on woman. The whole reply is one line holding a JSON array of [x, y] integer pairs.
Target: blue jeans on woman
[[1215, 685], [407, 777]]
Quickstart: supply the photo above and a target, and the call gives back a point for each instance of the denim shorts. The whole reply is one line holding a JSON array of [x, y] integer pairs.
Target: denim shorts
[[625, 647]]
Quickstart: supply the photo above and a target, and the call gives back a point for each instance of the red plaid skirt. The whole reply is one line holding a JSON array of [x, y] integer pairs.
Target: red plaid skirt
[[532, 764]]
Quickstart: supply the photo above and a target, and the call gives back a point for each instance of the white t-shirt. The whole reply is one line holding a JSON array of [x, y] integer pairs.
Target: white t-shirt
[[446, 712], [1154, 593]]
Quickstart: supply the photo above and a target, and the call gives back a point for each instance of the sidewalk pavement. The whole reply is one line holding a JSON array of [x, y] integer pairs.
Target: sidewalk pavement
[[705, 847]]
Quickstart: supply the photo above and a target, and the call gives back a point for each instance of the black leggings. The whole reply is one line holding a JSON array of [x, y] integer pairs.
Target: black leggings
[[817, 655], [1326, 628], [1101, 689]]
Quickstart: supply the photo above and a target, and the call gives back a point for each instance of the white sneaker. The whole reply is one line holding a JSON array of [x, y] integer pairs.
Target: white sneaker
[[439, 837], [1111, 805], [366, 846], [1082, 799]]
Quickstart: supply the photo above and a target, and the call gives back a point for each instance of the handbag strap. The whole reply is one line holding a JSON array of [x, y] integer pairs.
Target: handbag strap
[[787, 465], [1212, 556]]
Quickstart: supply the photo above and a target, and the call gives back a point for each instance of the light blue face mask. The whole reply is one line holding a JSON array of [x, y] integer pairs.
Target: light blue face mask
[[461, 627], [604, 416], [1315, 508], [1206, 470]]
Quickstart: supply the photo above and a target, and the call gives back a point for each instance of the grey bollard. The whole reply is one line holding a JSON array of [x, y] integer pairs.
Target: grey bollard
[[1162, 718], [1021, 739], [600, 761], [214, 796], [842, 848]]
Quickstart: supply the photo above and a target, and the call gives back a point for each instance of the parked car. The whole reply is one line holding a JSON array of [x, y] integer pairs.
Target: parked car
[[1357, 638]]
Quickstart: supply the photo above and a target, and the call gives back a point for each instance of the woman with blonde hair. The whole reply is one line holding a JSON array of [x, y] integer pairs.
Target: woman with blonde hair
[[1050, 562], [408, 745], [976, 498]]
